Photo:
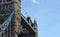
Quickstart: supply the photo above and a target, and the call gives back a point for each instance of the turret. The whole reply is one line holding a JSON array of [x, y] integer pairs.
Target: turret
[[35, 28], [35, 25]]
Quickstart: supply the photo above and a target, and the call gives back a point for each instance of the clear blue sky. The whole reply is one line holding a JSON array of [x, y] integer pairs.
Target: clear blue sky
[[47, 15]]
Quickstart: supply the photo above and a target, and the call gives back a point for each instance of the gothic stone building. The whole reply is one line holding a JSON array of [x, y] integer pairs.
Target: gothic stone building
[[13, 23]]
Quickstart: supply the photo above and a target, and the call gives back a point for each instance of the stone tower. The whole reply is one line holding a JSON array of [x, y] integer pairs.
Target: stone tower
[[17, 18], [6, 6], [13, 23]]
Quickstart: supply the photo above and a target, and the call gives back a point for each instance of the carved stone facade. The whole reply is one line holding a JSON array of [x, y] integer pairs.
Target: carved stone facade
[[19, 26]]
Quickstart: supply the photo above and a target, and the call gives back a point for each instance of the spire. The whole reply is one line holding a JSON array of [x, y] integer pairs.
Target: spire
[[35, 22], [35, 26]]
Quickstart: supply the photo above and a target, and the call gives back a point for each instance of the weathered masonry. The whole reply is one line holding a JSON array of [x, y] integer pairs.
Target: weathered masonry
[[13, 23]]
